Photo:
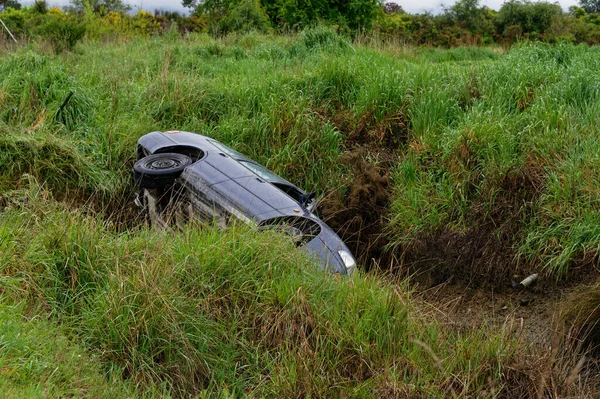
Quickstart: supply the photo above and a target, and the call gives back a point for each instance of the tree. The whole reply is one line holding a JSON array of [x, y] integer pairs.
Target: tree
[[4, 4], [352, 14], [40, 7], [392, 8], [248, 15], [530, 17], [101, 6], [469, 15], [216, 10], [577, 12], [590, 6]]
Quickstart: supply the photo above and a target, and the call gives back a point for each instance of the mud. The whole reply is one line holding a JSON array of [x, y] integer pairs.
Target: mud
[[358, 215]]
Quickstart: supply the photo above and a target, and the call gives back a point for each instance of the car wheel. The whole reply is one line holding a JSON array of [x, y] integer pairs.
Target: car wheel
[[159, 170]]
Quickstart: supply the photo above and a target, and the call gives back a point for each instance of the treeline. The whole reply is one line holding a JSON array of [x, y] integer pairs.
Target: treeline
[[468, 23], [464, 23]]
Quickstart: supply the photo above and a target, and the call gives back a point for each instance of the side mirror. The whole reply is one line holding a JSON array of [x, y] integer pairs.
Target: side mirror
[[306, 199]]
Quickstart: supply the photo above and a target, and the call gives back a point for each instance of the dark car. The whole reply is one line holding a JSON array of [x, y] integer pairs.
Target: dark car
[[185, 176]]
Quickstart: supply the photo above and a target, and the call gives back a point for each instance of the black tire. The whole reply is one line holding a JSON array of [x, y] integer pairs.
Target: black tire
[[159, 170]]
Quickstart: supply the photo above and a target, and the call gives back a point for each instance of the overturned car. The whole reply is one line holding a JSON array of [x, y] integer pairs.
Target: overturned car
[[185, 176]]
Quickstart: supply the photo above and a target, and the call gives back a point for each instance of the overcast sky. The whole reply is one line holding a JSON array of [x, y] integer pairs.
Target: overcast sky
[[410, 6]]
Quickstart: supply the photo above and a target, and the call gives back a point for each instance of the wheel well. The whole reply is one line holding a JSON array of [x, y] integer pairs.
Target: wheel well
[[194, 153]]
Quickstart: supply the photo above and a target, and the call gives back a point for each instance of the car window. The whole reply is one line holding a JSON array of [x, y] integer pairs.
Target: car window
[[302, 230], [263, 172], [289, 190], [228, 150]]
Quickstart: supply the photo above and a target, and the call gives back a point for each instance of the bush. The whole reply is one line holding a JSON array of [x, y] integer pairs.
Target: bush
[[323, 38], [245, 17], [14, 20], [63, 32], [145, 23]]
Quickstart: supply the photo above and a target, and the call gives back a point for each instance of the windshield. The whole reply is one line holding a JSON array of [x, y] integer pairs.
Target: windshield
[[262, 172]]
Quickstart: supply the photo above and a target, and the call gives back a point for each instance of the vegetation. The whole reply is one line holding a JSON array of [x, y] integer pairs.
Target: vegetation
[[465, 23], [38, 360], [475, 140], [483, 158], [207, 311]]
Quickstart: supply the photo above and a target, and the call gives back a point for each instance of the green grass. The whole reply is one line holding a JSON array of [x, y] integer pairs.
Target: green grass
[[38, 360], [498, 146], [204, 311]]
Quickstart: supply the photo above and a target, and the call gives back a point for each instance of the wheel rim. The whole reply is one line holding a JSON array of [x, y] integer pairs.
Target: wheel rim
[[161, 164]]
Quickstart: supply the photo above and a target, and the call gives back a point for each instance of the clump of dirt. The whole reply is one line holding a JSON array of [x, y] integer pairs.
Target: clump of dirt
[[390, 133], [485, 252], [359, 214], [385, 135]]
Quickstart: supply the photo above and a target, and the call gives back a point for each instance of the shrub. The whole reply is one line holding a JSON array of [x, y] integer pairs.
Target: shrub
[[245, 17], [63, 32], [14, 20], [323, 38]]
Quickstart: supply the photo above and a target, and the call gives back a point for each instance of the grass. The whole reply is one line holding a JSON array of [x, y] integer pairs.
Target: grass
[[39, 361], [489, 160], [203, 311]]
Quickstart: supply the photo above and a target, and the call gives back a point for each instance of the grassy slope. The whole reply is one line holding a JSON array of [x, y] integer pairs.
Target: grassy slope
[[484, 135], [39, 361], [477, 125], [235, 311]]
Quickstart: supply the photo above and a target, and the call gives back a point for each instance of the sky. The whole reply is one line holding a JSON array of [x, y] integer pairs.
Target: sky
[[410, 6]]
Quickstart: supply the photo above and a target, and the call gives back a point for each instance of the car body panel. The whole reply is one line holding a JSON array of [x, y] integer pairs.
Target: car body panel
[[223, 183]]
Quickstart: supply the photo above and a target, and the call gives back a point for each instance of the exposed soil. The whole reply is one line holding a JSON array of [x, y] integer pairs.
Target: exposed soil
[[358, 216], [482, 254], [532, 313]]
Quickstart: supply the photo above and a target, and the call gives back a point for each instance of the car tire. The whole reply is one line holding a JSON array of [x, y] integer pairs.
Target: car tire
[[160, 170]]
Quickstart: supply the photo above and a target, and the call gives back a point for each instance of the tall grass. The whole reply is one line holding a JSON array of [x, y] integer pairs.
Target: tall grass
[[38, 360], [295, 104], [492, 149], [203, 310]]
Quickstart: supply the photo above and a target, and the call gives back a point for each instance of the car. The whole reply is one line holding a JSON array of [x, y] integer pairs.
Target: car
[[183, 176]]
